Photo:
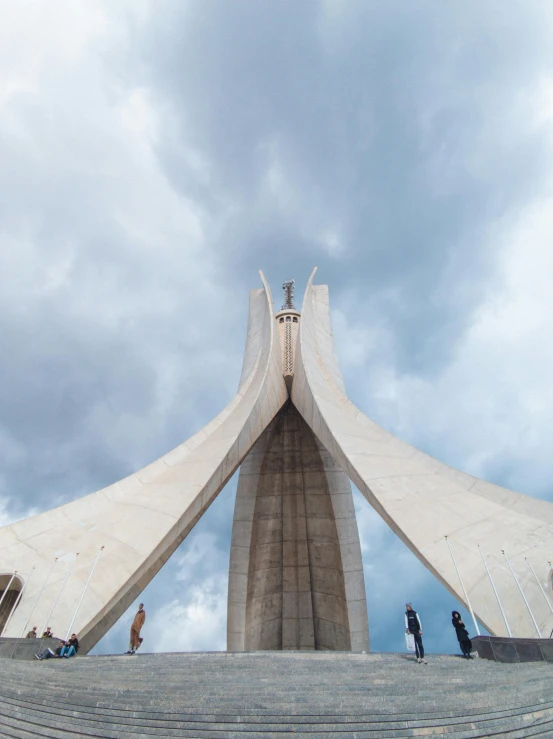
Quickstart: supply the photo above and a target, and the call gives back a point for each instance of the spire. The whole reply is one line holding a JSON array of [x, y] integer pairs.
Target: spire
[[288, 288]]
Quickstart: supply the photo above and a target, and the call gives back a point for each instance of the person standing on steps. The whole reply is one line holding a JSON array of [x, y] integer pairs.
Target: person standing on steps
[[136, 625], [462, 634], [414, 626]]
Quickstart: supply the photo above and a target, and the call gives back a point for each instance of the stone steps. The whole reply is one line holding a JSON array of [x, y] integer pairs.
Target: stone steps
[[210, 725], [21, 726], [16, 699], [227, 696]]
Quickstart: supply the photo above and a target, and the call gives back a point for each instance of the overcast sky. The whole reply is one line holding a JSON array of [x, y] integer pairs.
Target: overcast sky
[[155, 155]]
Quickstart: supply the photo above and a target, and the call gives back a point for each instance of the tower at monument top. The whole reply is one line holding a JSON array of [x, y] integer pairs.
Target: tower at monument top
[[288, 323]]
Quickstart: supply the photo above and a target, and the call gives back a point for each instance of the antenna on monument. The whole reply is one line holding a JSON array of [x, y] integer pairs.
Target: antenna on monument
[[288, 288]]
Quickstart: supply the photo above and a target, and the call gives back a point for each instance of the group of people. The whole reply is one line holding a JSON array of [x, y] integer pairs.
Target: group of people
[[70, 647], [65, 648], [413, 626], [32, 634]]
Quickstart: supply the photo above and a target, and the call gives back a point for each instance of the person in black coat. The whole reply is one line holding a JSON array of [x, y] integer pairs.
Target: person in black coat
[[462, 634], [413, 626]]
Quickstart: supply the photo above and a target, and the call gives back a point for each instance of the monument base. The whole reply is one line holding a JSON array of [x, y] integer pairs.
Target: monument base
[[511, 649]]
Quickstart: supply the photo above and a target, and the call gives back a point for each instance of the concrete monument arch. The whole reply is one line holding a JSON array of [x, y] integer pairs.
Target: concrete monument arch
[[296, 578]]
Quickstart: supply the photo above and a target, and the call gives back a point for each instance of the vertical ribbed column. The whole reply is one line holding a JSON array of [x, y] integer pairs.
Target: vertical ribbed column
[[298, 626], [265, 573], [296, 577]]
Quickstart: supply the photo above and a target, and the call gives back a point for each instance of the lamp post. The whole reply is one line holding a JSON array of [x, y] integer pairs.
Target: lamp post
[[38, 597], [83, 593], [463, 586], [495, 592], [539, 584], [522, 593], [54, 604]]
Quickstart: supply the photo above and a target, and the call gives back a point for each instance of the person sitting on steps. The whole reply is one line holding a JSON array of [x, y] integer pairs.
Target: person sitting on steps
[[48, 653], [414, 626], [48, 634], [32, 634], [462, 634], [71, 647]]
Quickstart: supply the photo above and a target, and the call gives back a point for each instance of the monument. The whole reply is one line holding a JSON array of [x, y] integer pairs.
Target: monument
[[296, 577]]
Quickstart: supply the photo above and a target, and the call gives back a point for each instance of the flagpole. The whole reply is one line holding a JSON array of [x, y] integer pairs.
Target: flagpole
[[495, 592], [37, 598], [463, 586], [83, 593], [522, 593], [551, 634], [540, 585], [59, 594]]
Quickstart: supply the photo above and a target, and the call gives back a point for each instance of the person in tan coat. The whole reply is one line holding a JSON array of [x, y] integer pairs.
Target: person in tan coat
[[136, 625]]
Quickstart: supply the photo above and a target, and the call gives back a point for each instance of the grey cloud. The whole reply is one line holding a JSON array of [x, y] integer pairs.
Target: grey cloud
[[397, 128], [378, 140]]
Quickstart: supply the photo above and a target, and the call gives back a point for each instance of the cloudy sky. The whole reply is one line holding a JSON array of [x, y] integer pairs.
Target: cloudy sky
[[155, 155]]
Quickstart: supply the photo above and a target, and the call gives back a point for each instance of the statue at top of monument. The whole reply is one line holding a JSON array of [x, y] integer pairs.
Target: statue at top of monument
[[288, 288]]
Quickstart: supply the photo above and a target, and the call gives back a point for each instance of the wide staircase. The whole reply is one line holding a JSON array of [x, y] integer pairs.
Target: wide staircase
[[232, 696]]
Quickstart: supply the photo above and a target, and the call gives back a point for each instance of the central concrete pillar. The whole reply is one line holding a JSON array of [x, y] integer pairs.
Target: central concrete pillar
[[296, 579]]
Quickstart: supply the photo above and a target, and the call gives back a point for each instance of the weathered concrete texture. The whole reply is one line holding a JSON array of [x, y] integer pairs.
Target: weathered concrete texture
[[296, 576], [142, 519], [422, 499]]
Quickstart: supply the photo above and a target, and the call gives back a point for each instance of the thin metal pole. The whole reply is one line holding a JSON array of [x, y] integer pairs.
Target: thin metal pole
[[551, 634], [83, 594], [7, 588], [37, 598], [463, 586], [59, 593], [522, 593], [14, 607], [540, 585], [495, 592]]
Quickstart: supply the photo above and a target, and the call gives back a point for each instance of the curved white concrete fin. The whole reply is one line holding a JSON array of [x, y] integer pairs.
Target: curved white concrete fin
[[422, 499], [142, 519]]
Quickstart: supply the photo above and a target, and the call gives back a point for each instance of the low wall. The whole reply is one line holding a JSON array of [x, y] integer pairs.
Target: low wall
[[25, 648], [511, 649]]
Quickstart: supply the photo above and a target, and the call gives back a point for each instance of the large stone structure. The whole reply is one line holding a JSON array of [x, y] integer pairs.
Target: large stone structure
[[296, 579]]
